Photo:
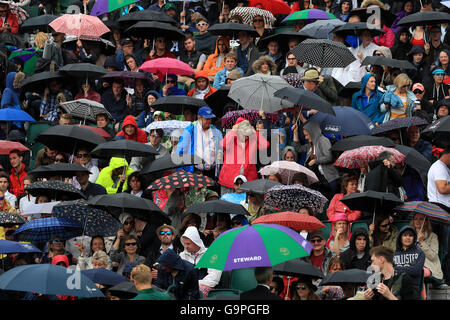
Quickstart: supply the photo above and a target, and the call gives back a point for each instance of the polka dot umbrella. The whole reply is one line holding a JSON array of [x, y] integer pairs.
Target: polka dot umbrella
[[181, 179]]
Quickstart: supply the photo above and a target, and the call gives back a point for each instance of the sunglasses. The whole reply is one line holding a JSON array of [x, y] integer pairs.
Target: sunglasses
[[57, 241], [82, 155], [201, 24], [126, 223], [258, 20], [169, 233], [130, 244], [59, 160], [417, 91], [315, 240], [301, 287]]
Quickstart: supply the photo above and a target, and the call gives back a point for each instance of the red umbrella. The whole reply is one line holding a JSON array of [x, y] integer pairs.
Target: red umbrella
[[163, 66], [97, 130], [293, 220], [6, 146], [79, 25], [274, 6]]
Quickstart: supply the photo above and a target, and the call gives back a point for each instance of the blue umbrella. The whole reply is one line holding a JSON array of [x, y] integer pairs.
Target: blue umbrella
[[11, 114], [104, 276], [347, 122], [44, 229], [49, 279], [7, 246]]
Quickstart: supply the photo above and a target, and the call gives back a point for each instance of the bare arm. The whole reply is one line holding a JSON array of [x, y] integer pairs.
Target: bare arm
[[442, 186]]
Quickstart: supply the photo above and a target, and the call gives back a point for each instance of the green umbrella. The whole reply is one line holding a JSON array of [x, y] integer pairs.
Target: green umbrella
[[309, 14], [28, 56]]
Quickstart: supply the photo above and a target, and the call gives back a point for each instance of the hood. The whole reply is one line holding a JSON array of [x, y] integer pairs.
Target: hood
[[358, 232], [115, 163], [343, 1], [129, 120], [10, 80], [385, 51], [289, 148], [314, 130], [123, 217], [264, 59], [61, 258], [364, 81], [153, 93], [171, 259], [399, 237], [414, 50], [192, 234], [397, 41]]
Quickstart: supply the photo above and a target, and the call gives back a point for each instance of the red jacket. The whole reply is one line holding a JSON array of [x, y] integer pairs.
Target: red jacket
[[139, 135], [235, 156], [210, 92], [13, 22], [16, 181], [336, 206], [385, 40]]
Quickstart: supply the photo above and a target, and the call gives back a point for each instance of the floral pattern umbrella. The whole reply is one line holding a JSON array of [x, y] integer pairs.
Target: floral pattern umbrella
[[181, 179], [287, 169], [10, 219], [360, 157]]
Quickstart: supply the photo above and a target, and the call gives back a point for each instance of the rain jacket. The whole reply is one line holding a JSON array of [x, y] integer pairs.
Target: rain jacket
[[139, 134], [411, 260], [13, 21], [349, 257], [185, 281], [211, 89], [430, 247], [385, 40], [146, 116], [336, 206], [10, 96], [372, 108], [105, 177], [207, 277], [210, 64], [16, 181], [395, 102], [221, 77]]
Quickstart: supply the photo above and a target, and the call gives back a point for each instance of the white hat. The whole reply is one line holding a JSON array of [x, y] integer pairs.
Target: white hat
[[243, 178]]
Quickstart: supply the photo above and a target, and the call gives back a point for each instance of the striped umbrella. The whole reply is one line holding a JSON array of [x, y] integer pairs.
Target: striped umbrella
[[79, 25], [399, 123], [248, 13], [431, 210], [360, 157]]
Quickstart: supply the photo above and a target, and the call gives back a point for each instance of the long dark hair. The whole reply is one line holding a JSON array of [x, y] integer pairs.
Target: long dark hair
[[139, 177], [378, 236]]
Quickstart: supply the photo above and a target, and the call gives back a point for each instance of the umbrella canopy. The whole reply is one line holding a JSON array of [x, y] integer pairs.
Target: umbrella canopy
[[164, 66], [432, 211], [248, 13], [360, 157], [27, 56], [232, 29], [169, 162], [36, 209], [153, 29], [68, 138], [349, 89], [126, 290], [101, 132], [79, 25], [219, 99], [55, 189], [177, 104], [144, 15], [105, 6], [49, 279], [383, 61], [128, 77], [7, 146], [64, 170], [262, 245], [7, 246], [168, 126], [355, 28], [282, 38], [123, 148], [361, 141], [414, 158], [287, 169], [260, 186], [85, 109], [295, 221], [230, 118], [399, 123], [304, 98], [294, 79], [40, 23], [257, 92], [438, 132], [10, 219], [346, 276], [322, 29], [309, 14], [38, 81], [216, 206], [424, 18], [274, 6], [347, 122], [94, 221], [45, 229], [181, 179], [323, 53], [104, 276], [84, 70], [294, 198], [372, 201], [298, 268], [18, 115]]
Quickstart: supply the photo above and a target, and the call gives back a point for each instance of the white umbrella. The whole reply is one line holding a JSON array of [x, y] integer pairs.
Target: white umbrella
[[287, 169], [37, 209], [168, 126]]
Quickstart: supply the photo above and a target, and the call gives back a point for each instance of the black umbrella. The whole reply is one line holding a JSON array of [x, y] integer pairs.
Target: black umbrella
[[10, 219], [125, 290], [67, 138], [84, 70], [425, 18], [232, 29], [145, 15], [298, 268], [56, 190], [40, 23], [85, 109], [355, 27], [123, 148], [414, 159], [383, 61], [323, 53], [361, 141], [349, 89], [129, 77], [217, 206], [38, 81], [304, 98], [153, 29], [217, 100], [138, 207], [282, 38], [346, 276], [64, 170], [260, 186], [169, 162], [177, 104], [438, 132]]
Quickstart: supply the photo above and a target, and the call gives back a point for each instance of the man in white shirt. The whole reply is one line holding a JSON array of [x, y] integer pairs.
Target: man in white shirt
[[438, 186], [4, 185], [365, 49]]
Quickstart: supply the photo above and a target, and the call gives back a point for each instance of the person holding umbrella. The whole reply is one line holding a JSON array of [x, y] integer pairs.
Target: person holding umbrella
[[87, 92], [113, 178], [170, 88], [49, 105]]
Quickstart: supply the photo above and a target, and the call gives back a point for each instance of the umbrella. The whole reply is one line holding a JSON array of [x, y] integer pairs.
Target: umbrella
[[414, 158], [219, 99], [10, 219], [304, 98], [217, 206], [298, 268], [28, 57], [282, 38], [432, 211], [38, 208], [123, 148], [274, 6], [424, 18], [105, 6], [49, 279], [40, 23], [294, 198], [346, 276], [181, 179], [45, 229], [287, 169], [360, 157], [18, 115], [126, 290], [438, 132], [94, 221], [55, 189], [38, 81], [383, 61], [7, 146], [257, 92], [68, 138], [176, 104], [154, 29], [229, 119], [347, 122], [168, 126], [144, 15], [84, 109], [83, 70], [163, 66], [129, 77], [361, 141], [293, 220], [350, 88], [79, 25], [7, 246], [248, 13], [323, 53], [232, 29], [254, 246], [260, 186], [355, 27], [104, 276], [294, 79], [321, 29], [106, 46], [309, 14], [101, 132], [138, 207], [170, 161]]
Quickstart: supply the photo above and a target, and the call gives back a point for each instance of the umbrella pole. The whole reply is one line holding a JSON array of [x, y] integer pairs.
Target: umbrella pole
[[374, 211], [289, 285], [184, 9], [400, 134]]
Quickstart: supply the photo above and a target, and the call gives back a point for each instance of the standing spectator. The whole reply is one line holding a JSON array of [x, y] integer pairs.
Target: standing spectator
[[141, 276], [18, 173], [398, 102], [368, 99], [357, 255]]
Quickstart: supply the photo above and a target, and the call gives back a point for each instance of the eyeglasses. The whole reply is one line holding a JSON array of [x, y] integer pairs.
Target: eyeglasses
[[83, 155], [258, 20], [169, 233], [59, 159], [385, 225], [315, 240], [128, 223], [130, 244], [417, 91], [291, 59], [57, 241], [301, 287], [201, 24]]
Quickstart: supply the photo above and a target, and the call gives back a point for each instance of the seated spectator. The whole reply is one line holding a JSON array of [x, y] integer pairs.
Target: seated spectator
[[131, 131], [115, 101], [414, 141], [222, 224], [10, 20], [103, 122], [230, 65], [202, 87], [424, 109], [349, 185], [320, 255], [141, 276], [170, 87], [303, 289], [87, 92], [264, 277], [136, 101], [264, 65], [331, 292], [357, 255], [55, 248], [340, 234], [204, 40], [146, 115], [84, 158], [216, 61], [97, 257], [113, 178], [236, 195], [129, 254], [383, 233]]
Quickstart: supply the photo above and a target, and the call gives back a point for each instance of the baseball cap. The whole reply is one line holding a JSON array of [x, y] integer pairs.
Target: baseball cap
[[315, 234], [206, 112], [243, 178], [126, 41], [418, 86], [169, 6]]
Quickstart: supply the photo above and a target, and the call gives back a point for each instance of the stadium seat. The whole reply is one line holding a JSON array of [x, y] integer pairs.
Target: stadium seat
[[35, 129], [356, 225], [327, 229], [243, 279]]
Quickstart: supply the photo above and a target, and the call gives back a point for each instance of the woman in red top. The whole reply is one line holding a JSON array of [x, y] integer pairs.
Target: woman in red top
[[349, 185], [87, 92], [8, 21], [418, 36]]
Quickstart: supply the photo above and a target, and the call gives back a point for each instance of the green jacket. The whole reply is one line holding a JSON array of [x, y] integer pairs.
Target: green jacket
[[151, 294], [105, 176]]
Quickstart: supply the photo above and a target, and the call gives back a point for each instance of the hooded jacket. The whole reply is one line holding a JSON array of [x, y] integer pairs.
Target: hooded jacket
[[339, 14], [10, 96], [16, 180], [286, 149], [349, 257], [105, 176], [139, 134], [221, 77], [400, 49], [173, 91], [371, 108], [421, 73], [395, 102], [322, 150], [185, 282], [411, 260], [211, 90], [207, 277], [337, 206], [146, 116], [265, 59], [211, 62]]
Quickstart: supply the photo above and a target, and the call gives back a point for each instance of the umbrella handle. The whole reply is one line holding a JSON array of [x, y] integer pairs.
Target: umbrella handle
[[289, 286]]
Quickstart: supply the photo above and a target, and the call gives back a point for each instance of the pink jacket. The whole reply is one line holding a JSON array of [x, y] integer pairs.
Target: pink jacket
[[336, 206]]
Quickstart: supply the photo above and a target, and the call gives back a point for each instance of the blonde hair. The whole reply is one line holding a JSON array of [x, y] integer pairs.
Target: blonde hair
[[402, 80], [101, 256], [427, 229], [141, 274], [39, 40]]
